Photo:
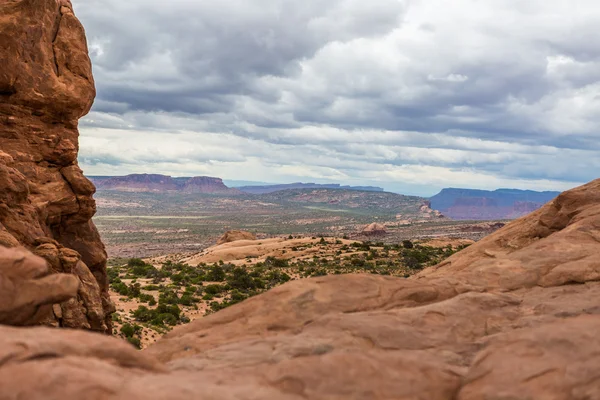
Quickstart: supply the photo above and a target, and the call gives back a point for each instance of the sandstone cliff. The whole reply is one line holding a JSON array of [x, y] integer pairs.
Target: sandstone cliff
[[157, 183], [46, 204]]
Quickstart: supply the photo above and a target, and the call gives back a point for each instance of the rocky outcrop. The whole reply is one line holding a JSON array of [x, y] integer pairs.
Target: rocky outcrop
[[46, 203], [164, 184], [28, 290], [514, 316], [427, 212], [374, 229], [205, 184], [232, 236]]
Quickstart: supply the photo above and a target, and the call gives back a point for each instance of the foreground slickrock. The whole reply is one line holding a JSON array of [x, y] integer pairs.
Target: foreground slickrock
[[46, 203], [514, 316]]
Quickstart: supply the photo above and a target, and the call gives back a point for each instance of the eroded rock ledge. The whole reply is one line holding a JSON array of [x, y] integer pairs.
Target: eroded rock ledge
[[46, 203]]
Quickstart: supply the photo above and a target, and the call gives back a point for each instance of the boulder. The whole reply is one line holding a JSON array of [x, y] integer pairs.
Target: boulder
[[232, 236]]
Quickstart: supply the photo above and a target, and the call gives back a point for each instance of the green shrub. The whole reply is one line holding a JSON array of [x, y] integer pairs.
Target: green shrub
[[215, 274], [144, 314], [129, 330], [276, 262], [113, 274], [168, 296], [240, 279], [134, 290], [213, 289], [121, 288], [135, 341], [165, 318], [135, 262], [187, 299], [146, 298]]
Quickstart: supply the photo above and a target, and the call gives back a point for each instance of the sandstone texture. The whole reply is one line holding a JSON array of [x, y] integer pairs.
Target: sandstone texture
[[232, 236], [46, 203], [514, 316]]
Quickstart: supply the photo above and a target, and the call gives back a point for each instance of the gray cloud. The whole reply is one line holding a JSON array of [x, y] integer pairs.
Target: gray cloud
[[347, 89]]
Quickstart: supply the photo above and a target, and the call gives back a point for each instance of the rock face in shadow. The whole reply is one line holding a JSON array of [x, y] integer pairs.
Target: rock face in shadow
[[514, 316], [46, 203]]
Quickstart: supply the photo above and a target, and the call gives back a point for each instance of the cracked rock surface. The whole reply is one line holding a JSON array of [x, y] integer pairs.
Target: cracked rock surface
[[46, 203]]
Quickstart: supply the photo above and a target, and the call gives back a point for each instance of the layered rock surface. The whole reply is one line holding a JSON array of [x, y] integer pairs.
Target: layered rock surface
[[157, 183], [46, 203], [514, 316]]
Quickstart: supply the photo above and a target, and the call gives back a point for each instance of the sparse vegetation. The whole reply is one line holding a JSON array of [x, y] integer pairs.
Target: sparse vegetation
[[166, 293]]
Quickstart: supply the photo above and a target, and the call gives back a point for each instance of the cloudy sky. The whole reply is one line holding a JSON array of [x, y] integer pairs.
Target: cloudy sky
[[411, 95]]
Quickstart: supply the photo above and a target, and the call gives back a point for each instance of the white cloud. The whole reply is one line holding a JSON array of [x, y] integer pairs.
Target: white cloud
[[424, 92]]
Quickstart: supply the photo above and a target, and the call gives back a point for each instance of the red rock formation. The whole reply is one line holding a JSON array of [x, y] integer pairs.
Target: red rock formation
[[514, 316], [46, 203], [232, 236], [138, 183], [374, 229], [205, 184], [164, 184]]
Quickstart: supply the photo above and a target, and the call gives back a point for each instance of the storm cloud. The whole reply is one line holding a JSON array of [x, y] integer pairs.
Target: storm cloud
[[412, 95]]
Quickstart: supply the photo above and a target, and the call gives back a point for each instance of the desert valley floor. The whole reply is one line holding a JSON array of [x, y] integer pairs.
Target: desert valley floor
[[170, 265]]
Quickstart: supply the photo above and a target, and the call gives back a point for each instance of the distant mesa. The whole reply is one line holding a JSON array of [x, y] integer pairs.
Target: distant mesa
[[163, 183], [233, 236], [471, 204], [298, 185]]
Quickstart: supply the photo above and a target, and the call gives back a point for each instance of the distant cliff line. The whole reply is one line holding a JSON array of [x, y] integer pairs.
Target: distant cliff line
[[473, 204], [203, 184]]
